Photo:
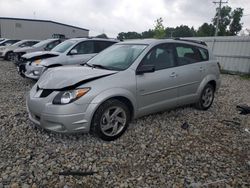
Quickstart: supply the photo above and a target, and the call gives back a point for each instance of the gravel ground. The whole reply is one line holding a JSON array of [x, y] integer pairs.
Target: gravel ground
[[154, 152]]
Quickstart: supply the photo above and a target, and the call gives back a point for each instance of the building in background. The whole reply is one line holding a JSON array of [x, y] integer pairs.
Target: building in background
[[18, 28]]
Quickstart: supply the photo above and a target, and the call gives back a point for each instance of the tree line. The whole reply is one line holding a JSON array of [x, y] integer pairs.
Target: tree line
[[229, 25]]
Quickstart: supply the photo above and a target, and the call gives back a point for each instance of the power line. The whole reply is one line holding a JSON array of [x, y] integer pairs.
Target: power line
[[218, 14]]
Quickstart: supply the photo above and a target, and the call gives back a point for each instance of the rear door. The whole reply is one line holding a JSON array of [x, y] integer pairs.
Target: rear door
[[191, 70], [158, 90]]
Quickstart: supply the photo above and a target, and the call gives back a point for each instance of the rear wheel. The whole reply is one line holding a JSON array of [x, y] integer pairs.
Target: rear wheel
[[110, 120], [206, 98]]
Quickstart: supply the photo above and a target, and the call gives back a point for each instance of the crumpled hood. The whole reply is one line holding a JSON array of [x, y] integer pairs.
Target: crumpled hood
[[70, 76], [40, 55]]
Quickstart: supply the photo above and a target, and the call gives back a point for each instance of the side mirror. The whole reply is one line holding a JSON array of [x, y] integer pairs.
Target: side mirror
[[46, 49], [144, 69], [73, 52]]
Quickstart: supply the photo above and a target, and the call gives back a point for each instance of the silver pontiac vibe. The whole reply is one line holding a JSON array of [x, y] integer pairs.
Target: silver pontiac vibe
[[127, 80]]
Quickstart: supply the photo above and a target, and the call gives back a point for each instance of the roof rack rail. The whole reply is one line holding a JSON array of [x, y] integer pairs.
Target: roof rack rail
[[193, 41]]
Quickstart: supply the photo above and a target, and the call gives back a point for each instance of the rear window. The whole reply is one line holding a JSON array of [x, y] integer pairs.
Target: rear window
[[188, 54], [204, 54], [101, 45]]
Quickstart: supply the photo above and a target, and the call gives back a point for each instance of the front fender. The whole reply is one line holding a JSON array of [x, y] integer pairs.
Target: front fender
[[115, 92]]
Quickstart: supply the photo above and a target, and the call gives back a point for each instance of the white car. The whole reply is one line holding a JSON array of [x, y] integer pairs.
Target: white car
[[44, 45], [6, 52], [70, 52]]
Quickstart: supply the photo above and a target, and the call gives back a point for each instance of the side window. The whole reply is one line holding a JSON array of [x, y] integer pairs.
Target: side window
[[86, 47], [204, 54], [23, 44], [187, 54], [161, 57], [101, 45], [31, 43]]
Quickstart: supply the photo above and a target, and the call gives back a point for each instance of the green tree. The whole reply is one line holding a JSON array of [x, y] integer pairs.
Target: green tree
[[206, 30], [159, 31], [183, 31], [148, 34], [235, 25], [224, 20], [102, 36], [229, 23], [169, 32], [128, 35]]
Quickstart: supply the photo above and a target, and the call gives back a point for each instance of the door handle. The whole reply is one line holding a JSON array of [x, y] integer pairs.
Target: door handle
[[201, 69], [173, 75]]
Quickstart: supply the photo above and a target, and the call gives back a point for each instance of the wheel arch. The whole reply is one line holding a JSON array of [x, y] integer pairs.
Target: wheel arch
[[209, 79], [120, 94], [6, 53]]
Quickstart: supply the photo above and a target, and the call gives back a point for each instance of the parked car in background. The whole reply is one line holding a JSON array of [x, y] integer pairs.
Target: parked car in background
[[2, 39], [8, 42], [7, 52], [70, 52], [127, 80], [44, 45]]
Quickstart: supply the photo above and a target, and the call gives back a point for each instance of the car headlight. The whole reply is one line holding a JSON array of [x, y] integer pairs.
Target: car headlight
[[66, 97], [37, 62]]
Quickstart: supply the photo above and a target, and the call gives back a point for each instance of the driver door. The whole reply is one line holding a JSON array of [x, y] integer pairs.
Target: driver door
[[158, 90], [82, 53]]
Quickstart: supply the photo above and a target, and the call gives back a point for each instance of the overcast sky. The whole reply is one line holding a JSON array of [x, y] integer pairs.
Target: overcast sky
[[114, 16]]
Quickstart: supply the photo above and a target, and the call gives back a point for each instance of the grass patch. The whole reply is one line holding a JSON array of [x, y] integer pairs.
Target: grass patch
[[245, 76]]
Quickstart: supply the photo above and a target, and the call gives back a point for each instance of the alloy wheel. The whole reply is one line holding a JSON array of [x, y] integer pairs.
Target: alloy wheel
[[113, 121], [207, 97]]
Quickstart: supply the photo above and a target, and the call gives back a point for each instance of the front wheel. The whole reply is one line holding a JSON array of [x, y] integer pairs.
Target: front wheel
[[207, 97], [110, 120], [8, 56]]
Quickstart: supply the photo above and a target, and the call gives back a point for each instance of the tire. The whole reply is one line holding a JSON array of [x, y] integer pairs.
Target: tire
[[110, 120], [22, 70], [206, 98], [7, 56]]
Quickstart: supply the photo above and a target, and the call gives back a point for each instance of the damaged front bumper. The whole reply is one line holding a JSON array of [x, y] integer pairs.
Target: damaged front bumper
[[34, 72], [69, 118]]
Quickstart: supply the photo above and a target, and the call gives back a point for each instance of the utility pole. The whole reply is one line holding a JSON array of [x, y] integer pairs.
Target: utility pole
[[218, 15]]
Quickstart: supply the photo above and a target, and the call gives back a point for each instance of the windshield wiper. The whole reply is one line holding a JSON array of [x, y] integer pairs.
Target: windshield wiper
[[86, 64], [100, 66], [97, 66]]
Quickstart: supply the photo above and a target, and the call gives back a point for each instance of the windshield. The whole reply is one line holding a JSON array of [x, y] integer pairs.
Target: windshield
[[18, 43], [61, 48], [39, 44], [118, 57]]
